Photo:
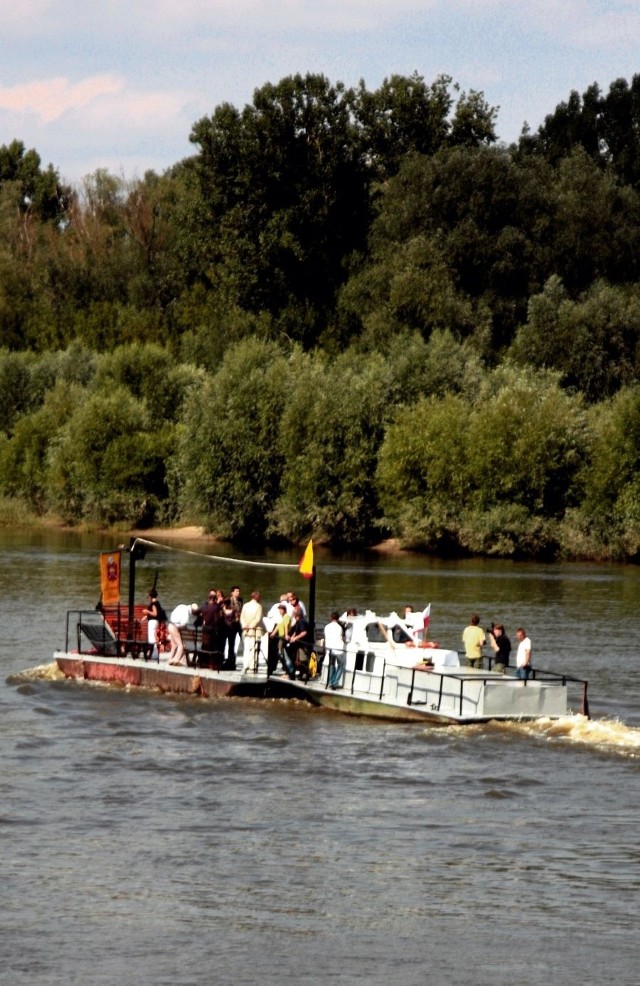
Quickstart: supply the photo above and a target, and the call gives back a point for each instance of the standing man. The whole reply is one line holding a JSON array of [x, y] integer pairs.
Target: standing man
[[474, 640], [233, 628], [153, 613], [334, 649], [299, 644], [252, 630], [213, 632], [277, 640], [523, 656], [501, 645]]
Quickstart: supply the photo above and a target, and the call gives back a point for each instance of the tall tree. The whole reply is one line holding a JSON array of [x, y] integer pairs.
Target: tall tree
[[606, 127], [406, 115], [37, 191], [459, 234], [285, 193]]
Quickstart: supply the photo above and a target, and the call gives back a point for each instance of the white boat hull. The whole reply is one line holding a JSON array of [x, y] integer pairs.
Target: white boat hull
[[443, 697], [404, 694]]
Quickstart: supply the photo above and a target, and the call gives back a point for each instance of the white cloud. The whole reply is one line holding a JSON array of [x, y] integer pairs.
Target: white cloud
[[98, 100], [50, 99]]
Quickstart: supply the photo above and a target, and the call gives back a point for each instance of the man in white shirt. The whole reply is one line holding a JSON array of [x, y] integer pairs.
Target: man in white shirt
[[523, 657], [334, 650], [178, 620], [252, 629]]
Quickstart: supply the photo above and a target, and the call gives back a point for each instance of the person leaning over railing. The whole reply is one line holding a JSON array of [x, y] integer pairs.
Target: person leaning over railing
[[178, 620]]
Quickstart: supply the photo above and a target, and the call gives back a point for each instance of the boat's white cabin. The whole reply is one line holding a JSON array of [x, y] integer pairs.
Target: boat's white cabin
[[373, 641]]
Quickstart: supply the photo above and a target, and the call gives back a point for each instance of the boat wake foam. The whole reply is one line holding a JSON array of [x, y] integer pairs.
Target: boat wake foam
[[602, 735], [44, 672]]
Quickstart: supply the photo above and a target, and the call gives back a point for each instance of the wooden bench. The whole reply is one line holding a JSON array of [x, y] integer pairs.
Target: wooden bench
[[196, 656], [132, 638]]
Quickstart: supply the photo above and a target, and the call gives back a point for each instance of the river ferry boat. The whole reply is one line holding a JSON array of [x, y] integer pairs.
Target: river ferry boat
[[388, 673], [389, 670]]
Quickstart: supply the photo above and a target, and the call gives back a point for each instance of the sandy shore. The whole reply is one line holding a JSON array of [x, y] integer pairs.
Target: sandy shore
[[194, 533]]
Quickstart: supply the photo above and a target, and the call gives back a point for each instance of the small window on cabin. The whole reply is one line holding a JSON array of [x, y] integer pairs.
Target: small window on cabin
[[400, 636], [375, 634]]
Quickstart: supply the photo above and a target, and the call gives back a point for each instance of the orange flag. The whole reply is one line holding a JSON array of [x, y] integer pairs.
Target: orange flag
[[306, 562], [110, 577]]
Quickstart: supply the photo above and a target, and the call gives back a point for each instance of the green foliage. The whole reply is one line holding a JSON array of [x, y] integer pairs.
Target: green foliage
[[606, 127], [610, 505], [107, 461], [227, 450], [74, 365], [596, 225], [347, 313], [105, 325], [37, 192], [492, 474], [15, 386], [409, 285], [210, 322], [331, 427], [150, 373], [422, 471], [24, 458], [457, 244], [405, 115], [526, 443], [285, 193], [593, 342]]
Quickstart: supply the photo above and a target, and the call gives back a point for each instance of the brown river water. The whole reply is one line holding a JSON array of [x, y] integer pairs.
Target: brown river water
[[179, 841]]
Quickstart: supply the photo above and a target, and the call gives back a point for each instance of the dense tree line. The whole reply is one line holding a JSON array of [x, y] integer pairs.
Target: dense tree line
[[351, 313]]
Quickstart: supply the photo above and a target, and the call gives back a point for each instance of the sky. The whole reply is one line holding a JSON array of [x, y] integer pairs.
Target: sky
[[118, 84]]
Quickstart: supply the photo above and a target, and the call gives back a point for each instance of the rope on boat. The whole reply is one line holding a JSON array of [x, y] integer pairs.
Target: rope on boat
[[201, 554]]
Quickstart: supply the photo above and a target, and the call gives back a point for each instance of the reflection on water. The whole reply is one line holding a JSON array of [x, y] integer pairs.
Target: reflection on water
[[177, 841]]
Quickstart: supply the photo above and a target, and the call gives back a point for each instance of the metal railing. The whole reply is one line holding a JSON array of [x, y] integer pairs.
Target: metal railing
[[536, 674], [88, 632]]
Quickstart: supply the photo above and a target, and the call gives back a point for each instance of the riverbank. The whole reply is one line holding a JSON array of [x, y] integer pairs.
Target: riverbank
[[16, 514], [194, 533]]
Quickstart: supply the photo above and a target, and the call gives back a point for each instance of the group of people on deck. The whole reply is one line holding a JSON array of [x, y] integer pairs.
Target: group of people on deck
[[219, 619], [474, 639], [224, 621]]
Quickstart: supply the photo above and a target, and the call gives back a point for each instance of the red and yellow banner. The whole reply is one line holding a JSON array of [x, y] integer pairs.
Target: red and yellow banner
[[110, 577]]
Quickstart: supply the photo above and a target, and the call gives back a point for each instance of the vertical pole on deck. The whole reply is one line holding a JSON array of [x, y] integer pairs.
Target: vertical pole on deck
[[312, 607], [132, 585]]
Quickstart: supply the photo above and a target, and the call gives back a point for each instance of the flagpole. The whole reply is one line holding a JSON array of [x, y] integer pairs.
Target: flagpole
[[312, 605]]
